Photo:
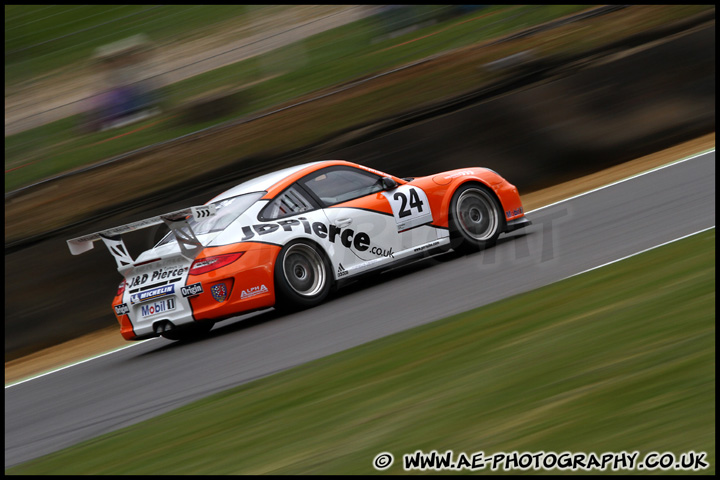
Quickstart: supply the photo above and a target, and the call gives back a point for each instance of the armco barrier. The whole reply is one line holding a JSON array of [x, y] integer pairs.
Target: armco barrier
[[577, 118]]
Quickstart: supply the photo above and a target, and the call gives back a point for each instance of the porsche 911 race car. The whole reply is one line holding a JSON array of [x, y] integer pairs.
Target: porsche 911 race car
[[287, 238]]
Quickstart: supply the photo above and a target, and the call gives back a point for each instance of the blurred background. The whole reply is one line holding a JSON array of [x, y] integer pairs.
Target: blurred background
[[117, 113], [84, 69]]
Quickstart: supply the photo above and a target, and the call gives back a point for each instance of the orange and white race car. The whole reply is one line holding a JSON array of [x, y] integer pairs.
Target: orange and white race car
[[287, 238]]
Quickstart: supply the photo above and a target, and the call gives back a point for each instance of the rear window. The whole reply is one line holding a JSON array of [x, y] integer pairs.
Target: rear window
[[226, 212], [290, 202]]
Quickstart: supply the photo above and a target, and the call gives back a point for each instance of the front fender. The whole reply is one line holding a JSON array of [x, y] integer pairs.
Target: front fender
[[440, 189]]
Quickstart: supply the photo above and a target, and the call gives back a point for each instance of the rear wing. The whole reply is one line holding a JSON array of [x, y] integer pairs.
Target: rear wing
[[190, 246]]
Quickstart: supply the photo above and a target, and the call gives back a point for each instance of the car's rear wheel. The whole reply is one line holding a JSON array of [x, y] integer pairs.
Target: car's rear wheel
[[475, 218], [192, 331], [303, 277]]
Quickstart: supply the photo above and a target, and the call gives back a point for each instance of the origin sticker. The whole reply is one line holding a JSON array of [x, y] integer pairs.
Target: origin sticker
[[192, 290], [122, 309]]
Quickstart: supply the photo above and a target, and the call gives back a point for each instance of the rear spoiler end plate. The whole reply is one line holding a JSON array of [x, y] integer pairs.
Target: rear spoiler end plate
[[190, 246]]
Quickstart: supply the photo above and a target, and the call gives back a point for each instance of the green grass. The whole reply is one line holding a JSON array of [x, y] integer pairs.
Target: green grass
[[620, 358], [40, 39], [320, 61]]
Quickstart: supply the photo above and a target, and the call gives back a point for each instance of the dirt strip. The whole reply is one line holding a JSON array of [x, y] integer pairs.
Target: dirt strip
[[109, 338]]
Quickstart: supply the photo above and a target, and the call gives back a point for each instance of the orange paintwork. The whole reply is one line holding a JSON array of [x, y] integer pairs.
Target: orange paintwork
[[126, 329], [376, 203], [254, 269], [439, 194], [249, 280]]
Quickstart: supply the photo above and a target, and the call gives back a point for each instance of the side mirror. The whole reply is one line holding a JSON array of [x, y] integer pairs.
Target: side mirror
[[388, 183]]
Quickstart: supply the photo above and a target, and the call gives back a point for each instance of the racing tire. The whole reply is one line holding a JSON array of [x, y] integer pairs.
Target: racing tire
[[475, 218], [303, 276], [189, 332]]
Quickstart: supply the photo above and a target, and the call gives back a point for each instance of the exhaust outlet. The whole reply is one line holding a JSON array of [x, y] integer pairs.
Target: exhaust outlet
[[163, 326]]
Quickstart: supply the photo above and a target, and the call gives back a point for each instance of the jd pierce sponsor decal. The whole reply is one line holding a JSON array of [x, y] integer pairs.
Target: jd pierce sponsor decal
[[348, 237], [159, 274], [382, 252], [251, 292]]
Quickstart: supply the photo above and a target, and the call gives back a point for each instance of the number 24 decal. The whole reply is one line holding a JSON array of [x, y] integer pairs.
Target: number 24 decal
[[414, 202]]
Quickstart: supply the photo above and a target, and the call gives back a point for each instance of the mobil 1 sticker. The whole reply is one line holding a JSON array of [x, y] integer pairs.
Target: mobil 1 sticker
[[410, 206], [192, 290], [163, 306]]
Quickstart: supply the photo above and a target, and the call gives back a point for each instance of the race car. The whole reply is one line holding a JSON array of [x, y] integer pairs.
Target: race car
[[288, 238]]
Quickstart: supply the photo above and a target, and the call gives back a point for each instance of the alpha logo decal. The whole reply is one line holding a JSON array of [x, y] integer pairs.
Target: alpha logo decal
[[341, 271], [191, 290], [251, 292], [348, 237], [219, 292]]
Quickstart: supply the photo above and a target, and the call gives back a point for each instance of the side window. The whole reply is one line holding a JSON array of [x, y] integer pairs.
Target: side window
[[290, 202], [339, 185]]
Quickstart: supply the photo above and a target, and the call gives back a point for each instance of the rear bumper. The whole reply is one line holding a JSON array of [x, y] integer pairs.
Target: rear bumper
[[220, 297], [513, 225]]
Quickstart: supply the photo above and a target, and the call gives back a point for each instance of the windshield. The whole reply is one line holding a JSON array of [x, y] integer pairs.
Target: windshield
[[226, 211]]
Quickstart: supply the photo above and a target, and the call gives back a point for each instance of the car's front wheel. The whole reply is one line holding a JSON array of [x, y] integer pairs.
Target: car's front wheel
[[303, 276], [475, 218]]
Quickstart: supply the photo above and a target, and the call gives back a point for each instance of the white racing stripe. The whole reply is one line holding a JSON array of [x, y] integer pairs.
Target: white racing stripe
[[676, 162]]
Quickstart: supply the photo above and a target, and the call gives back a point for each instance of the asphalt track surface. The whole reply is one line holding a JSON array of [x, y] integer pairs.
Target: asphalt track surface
[[75, 404]]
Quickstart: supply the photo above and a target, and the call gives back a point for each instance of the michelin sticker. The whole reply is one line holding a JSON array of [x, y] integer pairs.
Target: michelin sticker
[[152, 294]]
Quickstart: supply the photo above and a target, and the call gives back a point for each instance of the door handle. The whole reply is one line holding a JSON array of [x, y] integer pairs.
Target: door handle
[[342, 222]]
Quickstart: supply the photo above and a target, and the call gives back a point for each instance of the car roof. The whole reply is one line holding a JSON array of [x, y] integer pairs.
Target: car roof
[[262, 183], [274, 182]]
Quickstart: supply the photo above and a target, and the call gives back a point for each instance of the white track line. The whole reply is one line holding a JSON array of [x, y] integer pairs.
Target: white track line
[[675, 162], [641, 251], [134, 344]]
